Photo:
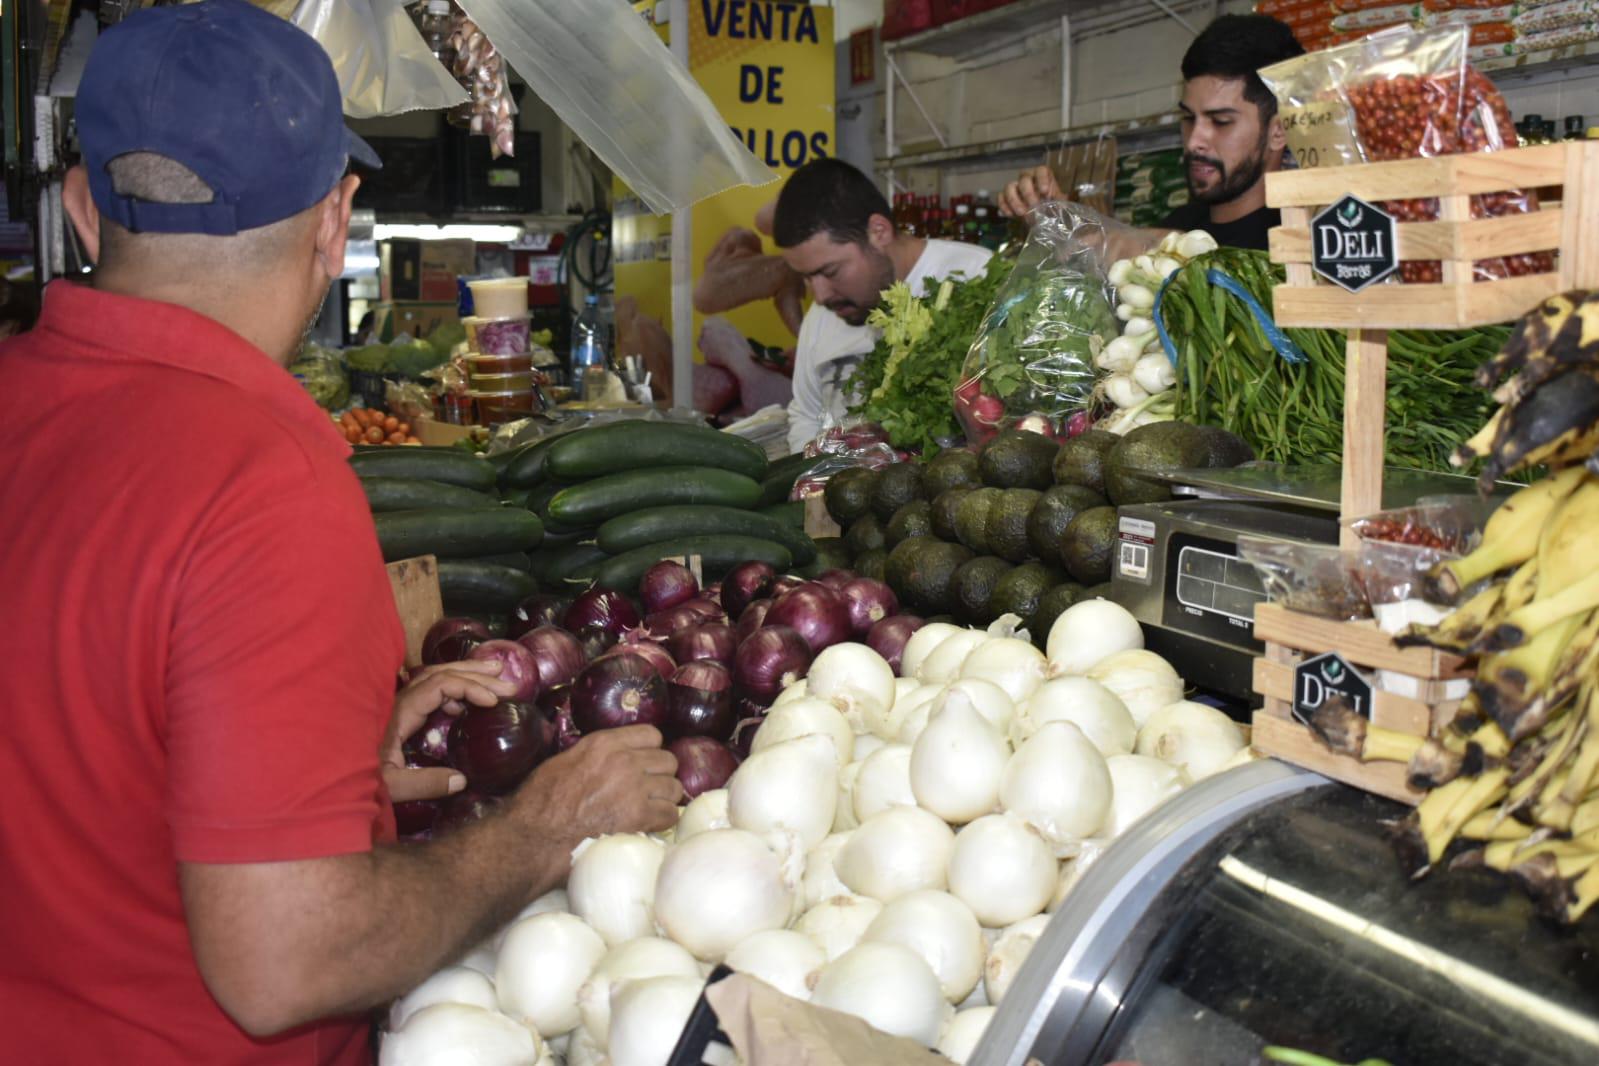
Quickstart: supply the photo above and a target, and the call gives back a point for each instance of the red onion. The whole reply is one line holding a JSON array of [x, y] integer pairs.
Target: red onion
[[647, 650], [715, 641], [837, 579], [618, 690], [558, 654], [415, 819], [556, 703], [744, 584], [665, 585], [708, 610], [786, 583], [496, 747], [663, 624], [773, 658], [703, 764], [868, 602], [744, 735], [595, 642], [605, 608], [751, 619], [430, 745], [517, 666], [819, 614], [539, 609], [463, 808], [887, 638], [712, 592], [700, 701], [462, 629]]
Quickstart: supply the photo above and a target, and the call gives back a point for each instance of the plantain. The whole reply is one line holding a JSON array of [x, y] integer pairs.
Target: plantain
[[1478, 794], [1508, 683], [1535, 338], [1345, 732], [1460, 628], [1509, 538], [1583, 892], [1568, 581], [1556, 425], [1488, 825], [1559, 810]]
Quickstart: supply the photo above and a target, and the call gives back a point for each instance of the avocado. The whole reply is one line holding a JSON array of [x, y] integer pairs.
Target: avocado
[[971, 518], [831, 554], [1090, 544], [1046, 527], [974, 586], [1096, 592], [901, 561], [915, 519], [864, 534], [1081, 460], [896, 486], [848, 494], [1224, 449], [945, 507], [921, 571], [1051, 605], [1019, 591], [1017, 459], [1156, 446], [1007, 523], [871, 564], [955, 469]]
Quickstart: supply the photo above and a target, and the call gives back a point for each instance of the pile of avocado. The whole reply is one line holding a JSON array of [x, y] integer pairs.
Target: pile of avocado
[[1024, 526]]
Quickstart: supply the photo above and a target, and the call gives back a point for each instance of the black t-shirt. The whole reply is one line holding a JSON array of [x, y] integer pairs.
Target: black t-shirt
[[1248, 232]]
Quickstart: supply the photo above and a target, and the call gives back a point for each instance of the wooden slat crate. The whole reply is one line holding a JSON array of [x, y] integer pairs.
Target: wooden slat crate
[[415, 583]]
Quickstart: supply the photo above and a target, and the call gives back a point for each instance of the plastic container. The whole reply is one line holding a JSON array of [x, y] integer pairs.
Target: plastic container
[[502, 382], [499, 298], [504, 406], [479, 363], [588, 344], [456, 408]]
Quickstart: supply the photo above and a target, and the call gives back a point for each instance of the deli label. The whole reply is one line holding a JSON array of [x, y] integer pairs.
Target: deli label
[[1328, 675], [1352, 244]]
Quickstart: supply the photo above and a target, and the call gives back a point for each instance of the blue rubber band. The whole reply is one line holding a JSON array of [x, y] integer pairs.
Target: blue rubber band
[[1284, 345]]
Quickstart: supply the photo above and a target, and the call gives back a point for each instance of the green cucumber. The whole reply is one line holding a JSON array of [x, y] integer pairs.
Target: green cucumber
[[471, 585], [553, 565], [538, 501], [616, 494], [718, 555], [515, 560], [791, 514], [456, 533], [624, 446], [453, 468], [410, 494], [655, 524], [517, 498], [781, 476], [526, 467]]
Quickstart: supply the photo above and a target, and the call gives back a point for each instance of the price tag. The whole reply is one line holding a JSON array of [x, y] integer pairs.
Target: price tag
[[1321, 134]]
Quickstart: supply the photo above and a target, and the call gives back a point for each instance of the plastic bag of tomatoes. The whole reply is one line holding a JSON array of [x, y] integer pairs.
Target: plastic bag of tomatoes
[[1403, 94]]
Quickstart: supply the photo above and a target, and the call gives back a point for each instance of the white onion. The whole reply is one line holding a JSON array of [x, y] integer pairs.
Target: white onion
[[866, 744], [945, 662], [1073, 869], [915, 721], [884, 781], [890, 726], [904, 686], [838, 924], [888, 987], [612, 885], [942, 930], [543, 962], [979, 996], [481, 959], [991, 701], [1142, 680], [1090, 706], [963, 1032], [636, 960], [647, 1019], [553, 900], [1014, 665], [799, 690], [821, 879], [450, 1032], [844, 811], [898, 851], [581, 1050], [1010, 950], [706, 811], [720, 887], [808, 717], [852, 676], [453, 984], [922, 644], [783, 958], [1140, 784], [1059, 784], [958, 761], [792, 785], [1087, 633], [1002, 869], [1197, 739]]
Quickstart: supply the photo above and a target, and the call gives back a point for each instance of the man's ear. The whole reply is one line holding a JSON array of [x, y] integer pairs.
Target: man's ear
[[79, 202], [879, 232], [333, 225], [1276, 135]]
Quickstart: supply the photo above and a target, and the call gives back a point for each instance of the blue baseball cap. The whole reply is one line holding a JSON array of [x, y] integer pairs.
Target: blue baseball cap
[[245, 99]]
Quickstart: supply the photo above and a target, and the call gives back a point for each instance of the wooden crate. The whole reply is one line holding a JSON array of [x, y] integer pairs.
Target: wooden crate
[[415, 583]]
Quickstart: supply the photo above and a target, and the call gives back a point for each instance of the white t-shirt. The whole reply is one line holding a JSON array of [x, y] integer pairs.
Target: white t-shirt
[[829, 348]]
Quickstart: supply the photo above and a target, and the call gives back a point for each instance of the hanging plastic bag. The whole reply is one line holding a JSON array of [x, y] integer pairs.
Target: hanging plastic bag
[[605, 73], [1033, 359], [383, 64]]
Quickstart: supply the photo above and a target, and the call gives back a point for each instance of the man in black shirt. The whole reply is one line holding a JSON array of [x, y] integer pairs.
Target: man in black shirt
[[1232, 136]]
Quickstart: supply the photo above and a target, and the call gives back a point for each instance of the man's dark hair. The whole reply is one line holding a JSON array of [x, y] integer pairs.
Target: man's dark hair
[[1236, 46], [826, 195]]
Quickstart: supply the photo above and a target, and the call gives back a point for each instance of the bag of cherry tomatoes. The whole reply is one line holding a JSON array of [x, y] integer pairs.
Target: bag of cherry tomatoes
[[1403, 94]]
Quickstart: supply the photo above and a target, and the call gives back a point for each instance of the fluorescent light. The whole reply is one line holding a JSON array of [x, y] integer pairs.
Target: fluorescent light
[[487, 234]]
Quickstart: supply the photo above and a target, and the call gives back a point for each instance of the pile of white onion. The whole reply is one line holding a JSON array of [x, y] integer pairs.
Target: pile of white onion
[[893, 848]]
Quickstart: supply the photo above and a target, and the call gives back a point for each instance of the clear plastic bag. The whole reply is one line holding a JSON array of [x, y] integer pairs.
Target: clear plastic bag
[[1446, 523], [1318, 579], [841, 447], [1033, 357], [383, 64], [322, 372]]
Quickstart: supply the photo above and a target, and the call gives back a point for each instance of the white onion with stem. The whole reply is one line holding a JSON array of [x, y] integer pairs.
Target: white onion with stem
[[1142, 680], [442, 1032], [612, 885], [1090, 706], [811, 716], [844, 812], [851, 676], [453, 984], [1010, 950], [923, 643], [1140, 327], [884, 782], [792, 785], [1197, 739], [898, 851], [704, 812], [944, 664], [1120, 355], [943, 931], [1140, 783], [1120, 271], [821, 877], [1122, 391], [799, 690], [1002, 869], [961, 1035], [1060, 785], [888, 987], [544, 961], [958, 761], [1138, 297], [838, 924], [1089, 632], [720, 887], [1195, 243], [647, 1019], [1154, 373], [1015, 666], [991, 701], [783, 958], [637, 960]]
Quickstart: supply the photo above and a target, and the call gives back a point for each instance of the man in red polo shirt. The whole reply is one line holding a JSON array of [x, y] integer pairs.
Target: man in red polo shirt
[[200, 640]]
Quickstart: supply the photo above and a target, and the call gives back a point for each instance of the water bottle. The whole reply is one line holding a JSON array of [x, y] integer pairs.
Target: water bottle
[[588, 343]]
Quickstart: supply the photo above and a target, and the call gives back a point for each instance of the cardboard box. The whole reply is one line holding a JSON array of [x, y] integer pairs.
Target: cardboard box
[[415, 270], [436, 434], [391, 319]]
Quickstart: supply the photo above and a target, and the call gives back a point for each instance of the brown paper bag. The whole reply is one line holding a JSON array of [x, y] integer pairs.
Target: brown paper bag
[[768, 1028]]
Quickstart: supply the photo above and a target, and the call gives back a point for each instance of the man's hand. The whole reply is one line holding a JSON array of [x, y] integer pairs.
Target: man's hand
[[450, 687], [1029, 190]]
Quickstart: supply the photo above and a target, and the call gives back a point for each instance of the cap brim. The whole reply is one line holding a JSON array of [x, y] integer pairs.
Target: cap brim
[[361, 152]]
